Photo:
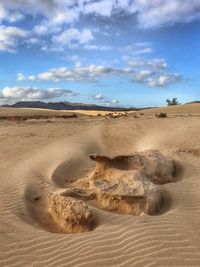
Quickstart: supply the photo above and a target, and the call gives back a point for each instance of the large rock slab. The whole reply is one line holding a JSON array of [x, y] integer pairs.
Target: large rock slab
[[126, 191], [128, 184], [158, 168]]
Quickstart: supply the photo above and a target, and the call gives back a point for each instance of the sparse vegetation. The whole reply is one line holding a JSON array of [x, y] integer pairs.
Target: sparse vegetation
[[35, 117], [116, 115]]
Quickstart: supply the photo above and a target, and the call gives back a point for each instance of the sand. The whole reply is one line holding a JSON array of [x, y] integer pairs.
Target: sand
[[39, 156]]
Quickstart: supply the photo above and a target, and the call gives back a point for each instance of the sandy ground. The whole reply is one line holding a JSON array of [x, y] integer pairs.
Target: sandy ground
[[33, 151]]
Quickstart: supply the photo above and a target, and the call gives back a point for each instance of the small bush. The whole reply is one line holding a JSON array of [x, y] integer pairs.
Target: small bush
[[161, 115]]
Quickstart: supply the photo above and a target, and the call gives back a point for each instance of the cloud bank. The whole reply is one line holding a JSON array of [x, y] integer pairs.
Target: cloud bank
[[58, 20], [89, 73], [149, 14], [14, 94], [151, 72], [10, 37]]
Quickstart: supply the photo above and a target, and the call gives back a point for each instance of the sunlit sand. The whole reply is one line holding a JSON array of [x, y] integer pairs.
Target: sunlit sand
[[98, 190]]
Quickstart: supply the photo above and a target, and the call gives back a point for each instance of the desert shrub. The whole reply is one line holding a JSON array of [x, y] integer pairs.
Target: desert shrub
[[161, 115]]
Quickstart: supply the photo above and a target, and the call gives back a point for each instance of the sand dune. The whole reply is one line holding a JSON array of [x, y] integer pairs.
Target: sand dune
[[38, 158]]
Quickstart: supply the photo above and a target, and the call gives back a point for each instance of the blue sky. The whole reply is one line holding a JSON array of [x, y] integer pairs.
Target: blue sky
[[108, 52]]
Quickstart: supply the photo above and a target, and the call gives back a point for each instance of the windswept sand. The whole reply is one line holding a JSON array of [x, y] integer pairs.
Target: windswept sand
[[40, 156]]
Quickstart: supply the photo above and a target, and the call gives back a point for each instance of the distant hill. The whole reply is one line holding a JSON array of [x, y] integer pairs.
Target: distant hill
[[65, 106], [193, 102]]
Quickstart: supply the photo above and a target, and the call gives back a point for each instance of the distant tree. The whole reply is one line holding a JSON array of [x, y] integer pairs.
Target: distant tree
[[172, 102]]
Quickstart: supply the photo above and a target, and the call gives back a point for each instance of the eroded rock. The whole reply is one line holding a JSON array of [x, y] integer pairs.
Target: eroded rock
[[158, 168], [128, 184], [126, 191], [81, 193], [124, 184], [155, 166], [70, 214]]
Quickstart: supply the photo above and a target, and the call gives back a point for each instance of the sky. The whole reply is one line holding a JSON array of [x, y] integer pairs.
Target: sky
[[108, 52]]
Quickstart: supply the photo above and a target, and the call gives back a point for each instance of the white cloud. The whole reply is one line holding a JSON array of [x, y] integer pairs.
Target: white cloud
[[156, 63], [10, 37], [144, 50], [138, 49], [163, 80], [104, 100], [96, 47], [21, 77], [141, 76], [155, 13], [43, 29], [3, 13], [71, 37], [99, 97], [91, 73], [73, 58], [103, 8], [53, 18], [46, 28], [114, 101], [14, 94], [88, 73], [31, 78], [149, 14], [65, 16], [33, 41], [6, 14], [123, 4], [56, 11]]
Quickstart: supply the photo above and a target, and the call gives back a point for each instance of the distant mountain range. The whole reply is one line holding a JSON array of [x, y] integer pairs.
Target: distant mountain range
[[73, 106], [64, 106]]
